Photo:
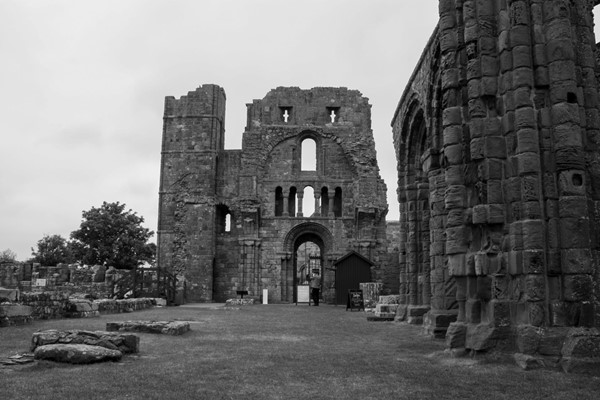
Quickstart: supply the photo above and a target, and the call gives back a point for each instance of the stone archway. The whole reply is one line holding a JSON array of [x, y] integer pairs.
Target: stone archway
[[302, 233]]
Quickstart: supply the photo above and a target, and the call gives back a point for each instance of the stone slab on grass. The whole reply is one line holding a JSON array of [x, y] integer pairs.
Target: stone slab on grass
[[381, 319], [76, 353], [124, 343], [163, 327]]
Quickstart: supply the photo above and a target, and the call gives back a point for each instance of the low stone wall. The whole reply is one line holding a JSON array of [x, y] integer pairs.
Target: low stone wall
[[108, 306], [46, 305], [50, 305]]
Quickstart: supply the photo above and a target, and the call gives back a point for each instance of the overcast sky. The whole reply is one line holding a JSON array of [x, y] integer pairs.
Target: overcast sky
[[83, 86]]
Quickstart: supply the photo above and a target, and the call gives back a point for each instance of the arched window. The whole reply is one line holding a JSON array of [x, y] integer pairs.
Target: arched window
[[309, 155], [278, 201], [337, 202], [223, 216], [228, 222], [308, 206]]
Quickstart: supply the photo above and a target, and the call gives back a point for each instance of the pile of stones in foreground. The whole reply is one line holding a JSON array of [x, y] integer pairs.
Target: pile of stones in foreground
[[384, 309], [86, 347]]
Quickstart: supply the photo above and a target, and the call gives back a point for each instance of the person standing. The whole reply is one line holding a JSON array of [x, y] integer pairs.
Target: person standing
[[315, 286]]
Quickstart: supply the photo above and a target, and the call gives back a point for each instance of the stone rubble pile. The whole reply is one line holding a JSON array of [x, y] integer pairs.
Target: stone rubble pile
[[125, 343], [82, 347]]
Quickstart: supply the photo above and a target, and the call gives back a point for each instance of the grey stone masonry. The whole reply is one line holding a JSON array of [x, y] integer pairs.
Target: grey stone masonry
[[497, 139], [232, 220]]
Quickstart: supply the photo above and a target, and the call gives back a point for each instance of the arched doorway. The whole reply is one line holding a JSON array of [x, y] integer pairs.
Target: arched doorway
[[307, 245]]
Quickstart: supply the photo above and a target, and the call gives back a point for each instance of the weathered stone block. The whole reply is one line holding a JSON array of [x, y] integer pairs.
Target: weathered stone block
[[483, 337], [76, 353], [436, 322], [125, 343], [528, 362], [473, 311], [528, 339], [456, 335], [495, 147], [577, 287], [165, 327], [576, 261]]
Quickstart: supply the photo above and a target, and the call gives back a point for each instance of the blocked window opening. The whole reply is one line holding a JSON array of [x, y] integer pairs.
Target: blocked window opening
[[286, 113], [292, 202], [308, 203], [337, 202], [278, 201], [333, 113], [309, 155], [324, 201]]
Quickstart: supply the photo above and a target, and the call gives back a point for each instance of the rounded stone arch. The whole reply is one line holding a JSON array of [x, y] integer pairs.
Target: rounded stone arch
[[307, 230], [271, 147]]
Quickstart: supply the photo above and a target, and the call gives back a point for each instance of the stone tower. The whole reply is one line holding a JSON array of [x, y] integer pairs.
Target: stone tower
[[193, 138], [233, 220], [497, 137]]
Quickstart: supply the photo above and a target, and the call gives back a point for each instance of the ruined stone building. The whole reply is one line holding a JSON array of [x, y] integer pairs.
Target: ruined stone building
[[497, 137], [233, 220]]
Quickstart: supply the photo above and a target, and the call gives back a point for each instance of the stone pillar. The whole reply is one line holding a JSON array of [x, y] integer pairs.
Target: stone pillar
[[402, 269], [300, 196], [565, 63], [451, 33], [331, 214], [317, 204], [286, 205]]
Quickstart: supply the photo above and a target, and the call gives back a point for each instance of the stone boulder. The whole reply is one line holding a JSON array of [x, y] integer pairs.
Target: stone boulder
[[76, 353], [124, 343], [164, 327]]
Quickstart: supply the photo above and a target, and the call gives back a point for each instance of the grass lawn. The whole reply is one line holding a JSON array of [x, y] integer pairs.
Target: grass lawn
[[277, 352]]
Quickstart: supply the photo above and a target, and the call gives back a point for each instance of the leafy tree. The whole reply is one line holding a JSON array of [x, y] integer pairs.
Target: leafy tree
[[111, 236], [8, 256], [52, 250]]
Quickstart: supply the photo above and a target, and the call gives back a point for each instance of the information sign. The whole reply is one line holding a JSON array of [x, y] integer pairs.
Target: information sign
[[355, 300]]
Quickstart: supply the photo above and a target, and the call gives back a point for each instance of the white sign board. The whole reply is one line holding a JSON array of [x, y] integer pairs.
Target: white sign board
[[40, 282], [303, 294]]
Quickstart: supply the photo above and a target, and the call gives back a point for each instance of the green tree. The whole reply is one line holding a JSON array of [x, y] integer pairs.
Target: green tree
[[111, 236], [52, 250], [8, 256]]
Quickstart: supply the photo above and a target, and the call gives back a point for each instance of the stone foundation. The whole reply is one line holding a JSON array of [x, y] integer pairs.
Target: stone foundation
[[573, 350]]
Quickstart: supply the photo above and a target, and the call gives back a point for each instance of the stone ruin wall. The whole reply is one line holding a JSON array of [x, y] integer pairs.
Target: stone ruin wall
[[497, 138], [201, 183]]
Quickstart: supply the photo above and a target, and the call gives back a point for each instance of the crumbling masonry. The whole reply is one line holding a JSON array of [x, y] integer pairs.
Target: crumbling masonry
[[232, 220], [497, 137]]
